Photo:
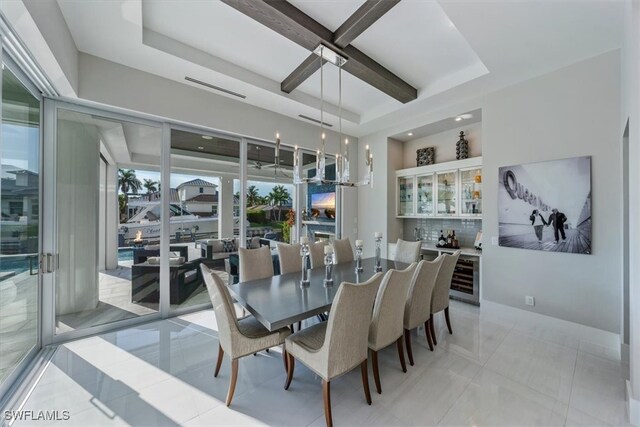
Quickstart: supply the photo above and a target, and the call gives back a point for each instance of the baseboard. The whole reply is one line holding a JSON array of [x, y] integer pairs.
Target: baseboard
[[583, 333], [633, 407]]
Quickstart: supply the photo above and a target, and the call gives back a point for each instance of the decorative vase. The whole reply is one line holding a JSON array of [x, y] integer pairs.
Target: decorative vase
[[462, 147]]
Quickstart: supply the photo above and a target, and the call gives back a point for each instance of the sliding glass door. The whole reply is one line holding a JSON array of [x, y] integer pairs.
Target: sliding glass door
[[19, 222]]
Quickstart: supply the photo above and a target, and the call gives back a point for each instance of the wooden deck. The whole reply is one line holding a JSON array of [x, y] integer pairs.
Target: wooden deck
[[577, 241]]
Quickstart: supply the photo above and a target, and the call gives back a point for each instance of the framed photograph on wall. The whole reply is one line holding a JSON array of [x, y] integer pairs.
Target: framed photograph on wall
[[546, 206]]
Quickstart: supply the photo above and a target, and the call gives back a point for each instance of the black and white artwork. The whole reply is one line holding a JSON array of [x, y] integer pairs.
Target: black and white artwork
[[546, 206]]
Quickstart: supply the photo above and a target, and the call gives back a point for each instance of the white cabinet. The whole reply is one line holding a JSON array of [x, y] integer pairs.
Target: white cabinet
[[444, 190]]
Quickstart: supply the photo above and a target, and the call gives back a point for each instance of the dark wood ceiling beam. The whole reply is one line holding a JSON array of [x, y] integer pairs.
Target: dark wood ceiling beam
[[363, 18], [301, 73], [289, 21]]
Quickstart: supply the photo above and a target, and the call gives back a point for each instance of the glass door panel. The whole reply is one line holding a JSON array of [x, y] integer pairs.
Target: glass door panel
[[405, 196], [108, 220], [19, 223], [446, 182], [425, 195], [471, 191]]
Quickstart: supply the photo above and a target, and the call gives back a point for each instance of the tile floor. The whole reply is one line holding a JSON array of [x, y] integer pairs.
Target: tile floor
[[494, 370]]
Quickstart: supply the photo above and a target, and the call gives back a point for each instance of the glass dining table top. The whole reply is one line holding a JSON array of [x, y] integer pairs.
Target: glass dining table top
[[280, 301]]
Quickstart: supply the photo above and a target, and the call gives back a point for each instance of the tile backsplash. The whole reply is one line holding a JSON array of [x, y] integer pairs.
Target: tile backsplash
[[466, 229]]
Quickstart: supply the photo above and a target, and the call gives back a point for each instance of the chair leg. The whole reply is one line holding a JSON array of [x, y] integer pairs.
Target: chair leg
[[427, 332], [299, 326], [232, 380], [326, 393], [446, 317], [401, 353], [433, 331], [291, 364], [219, 362], [284, 359], [365, 380], [376, 372], [407, 341]]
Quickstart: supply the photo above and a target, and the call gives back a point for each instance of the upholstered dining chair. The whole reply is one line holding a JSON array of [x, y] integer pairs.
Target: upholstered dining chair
[[337, 346], [237, 337], [342, 250], [255, 264], [407, 252], [316, 253], [388, 313], [289, 258], [440, 298], [418, 302]]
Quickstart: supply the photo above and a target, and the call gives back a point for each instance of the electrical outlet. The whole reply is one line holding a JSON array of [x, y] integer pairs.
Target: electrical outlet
[[530, 301]]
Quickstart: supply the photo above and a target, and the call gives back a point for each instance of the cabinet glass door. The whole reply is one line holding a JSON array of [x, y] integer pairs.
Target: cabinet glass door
[[471, 191], [405, 196], [425, 195], [446, 182]]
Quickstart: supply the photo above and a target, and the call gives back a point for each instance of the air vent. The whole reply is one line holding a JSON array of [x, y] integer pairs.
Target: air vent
[[302, 116], [210, 86]]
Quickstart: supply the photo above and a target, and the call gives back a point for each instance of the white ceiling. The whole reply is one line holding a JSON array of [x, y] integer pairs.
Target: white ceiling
[[443, 48]]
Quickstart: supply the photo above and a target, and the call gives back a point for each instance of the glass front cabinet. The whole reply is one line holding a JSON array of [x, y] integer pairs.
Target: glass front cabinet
[[452, 189], [405, 196], [471, 191], [424, 196]]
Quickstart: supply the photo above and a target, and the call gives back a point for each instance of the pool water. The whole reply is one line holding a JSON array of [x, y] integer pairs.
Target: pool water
[[125, 254]]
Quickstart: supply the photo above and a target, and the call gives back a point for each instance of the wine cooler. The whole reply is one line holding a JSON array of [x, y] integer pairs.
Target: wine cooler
[[466, 280]]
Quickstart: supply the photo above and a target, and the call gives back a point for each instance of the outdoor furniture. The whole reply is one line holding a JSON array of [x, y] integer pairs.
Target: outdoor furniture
[[184, 279], [279, 301], [140, 255], [236, 337]]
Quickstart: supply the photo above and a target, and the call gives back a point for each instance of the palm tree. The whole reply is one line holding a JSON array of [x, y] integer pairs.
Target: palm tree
[[279, 196], [253, 198], [127, 182], [151, 186]]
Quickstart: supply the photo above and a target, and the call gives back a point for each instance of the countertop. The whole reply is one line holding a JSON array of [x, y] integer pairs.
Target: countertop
[[469, 251]]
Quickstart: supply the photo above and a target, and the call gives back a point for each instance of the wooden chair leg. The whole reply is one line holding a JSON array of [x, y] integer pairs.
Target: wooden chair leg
[[401, 353], [365, 380], [427, 332], [232, 380], [219, 362], [446, 317], [407, 341], [291, 364], [433, 331], [284, 359], [376, 372], [326, 393], [299, 326]]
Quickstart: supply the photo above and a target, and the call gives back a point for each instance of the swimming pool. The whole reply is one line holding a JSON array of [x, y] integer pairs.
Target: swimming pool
[[125, 254]]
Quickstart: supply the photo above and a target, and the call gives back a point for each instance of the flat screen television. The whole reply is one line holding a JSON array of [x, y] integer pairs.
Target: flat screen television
[[323, 205]]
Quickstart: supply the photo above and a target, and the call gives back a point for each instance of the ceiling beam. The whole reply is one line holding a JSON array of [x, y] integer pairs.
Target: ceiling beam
[[290, 22], [363, 18]]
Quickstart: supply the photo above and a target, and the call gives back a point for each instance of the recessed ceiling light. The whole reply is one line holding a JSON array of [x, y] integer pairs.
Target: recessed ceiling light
[[410, 134], [200, 148], [207, 137]]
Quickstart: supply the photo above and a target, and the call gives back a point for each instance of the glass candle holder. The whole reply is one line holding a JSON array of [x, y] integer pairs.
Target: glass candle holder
[[378, 238], [328, 265], [359, 246], [304, 254]]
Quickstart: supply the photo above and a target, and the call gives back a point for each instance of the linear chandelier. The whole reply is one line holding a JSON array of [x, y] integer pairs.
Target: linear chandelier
[[342, 176]]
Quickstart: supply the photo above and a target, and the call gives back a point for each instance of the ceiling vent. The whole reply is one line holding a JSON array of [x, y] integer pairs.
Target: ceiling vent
[[302, 116], [210, 86]]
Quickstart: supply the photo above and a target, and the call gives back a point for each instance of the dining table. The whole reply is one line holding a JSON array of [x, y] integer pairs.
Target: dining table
[[280, 301]]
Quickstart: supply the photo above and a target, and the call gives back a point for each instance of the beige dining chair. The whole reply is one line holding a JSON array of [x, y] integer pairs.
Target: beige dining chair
[[407, 252], [418, 302], [289, 258], [337, 346], [255, 264], [342, 250], [237, 337], [316, 253], [440, 299], [388, 312]]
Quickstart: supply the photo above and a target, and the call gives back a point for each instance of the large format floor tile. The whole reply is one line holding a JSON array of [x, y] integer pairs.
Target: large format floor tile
[[493, 370]]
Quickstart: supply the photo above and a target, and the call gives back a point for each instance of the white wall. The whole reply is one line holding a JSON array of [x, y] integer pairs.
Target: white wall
[[445, 144], [114, 84], [573, 111]]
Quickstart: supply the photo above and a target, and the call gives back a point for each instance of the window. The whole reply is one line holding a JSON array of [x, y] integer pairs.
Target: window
[[201, 190], [214, 210]]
